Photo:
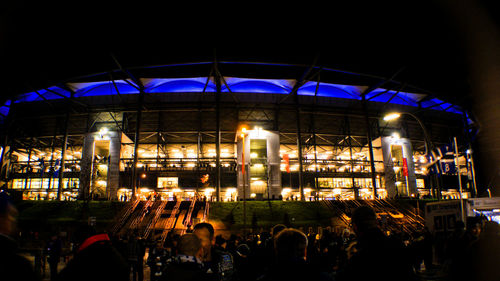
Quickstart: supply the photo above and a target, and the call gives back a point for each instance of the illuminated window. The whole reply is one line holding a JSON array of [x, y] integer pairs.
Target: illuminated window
[[168, 182]]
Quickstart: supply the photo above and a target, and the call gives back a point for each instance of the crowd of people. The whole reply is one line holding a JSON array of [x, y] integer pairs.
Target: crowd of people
[[364, 251]]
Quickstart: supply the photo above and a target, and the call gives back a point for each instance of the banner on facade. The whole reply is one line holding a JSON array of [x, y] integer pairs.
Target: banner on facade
[[405, 167], [286, 159]]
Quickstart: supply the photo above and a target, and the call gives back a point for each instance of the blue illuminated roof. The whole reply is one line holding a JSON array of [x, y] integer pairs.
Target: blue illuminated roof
[[235, 85], [329, 90], [105, 88], [4, 109], [184, 85]]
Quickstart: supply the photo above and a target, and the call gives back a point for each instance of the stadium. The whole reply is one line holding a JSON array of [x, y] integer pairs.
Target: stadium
[[228, 130]]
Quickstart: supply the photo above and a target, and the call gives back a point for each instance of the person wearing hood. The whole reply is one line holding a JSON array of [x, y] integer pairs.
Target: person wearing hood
[[95, 259], [12, 265]]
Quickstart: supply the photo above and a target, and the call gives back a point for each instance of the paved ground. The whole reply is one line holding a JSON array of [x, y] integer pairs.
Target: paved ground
[[433, 275]]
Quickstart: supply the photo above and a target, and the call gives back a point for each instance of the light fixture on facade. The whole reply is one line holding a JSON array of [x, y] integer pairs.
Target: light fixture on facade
[[392, 116]]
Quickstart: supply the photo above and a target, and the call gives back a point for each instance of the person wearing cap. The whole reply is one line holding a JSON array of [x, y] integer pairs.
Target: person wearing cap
[[12, 265], [95, 259], [377, 257]]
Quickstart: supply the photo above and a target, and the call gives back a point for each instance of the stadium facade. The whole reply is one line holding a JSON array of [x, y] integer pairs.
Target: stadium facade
[[177, 130]]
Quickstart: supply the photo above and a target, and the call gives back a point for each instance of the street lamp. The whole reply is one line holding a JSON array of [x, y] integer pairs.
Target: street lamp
[[243, 135], [395, 115], [428, 144]]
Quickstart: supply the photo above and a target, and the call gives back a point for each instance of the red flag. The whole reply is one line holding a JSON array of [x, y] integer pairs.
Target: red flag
[[287, 162], [405, 167]]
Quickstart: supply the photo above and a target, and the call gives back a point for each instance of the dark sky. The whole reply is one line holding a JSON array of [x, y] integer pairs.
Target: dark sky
[[43, 43]]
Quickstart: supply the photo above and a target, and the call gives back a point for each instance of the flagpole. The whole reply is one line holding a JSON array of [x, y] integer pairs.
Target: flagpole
[[457, 165]]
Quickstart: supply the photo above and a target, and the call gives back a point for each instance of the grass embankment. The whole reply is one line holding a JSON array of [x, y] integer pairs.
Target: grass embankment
[[36, 215], [268, 213]]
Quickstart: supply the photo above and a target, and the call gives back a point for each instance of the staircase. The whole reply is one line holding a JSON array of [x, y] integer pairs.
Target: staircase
[[155, 219], [394, 215], [122, 218]]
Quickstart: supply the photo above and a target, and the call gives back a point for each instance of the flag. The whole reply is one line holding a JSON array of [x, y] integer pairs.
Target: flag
[[287, 162], [448, 166], [433, 164], [405, 167], [445, 150]]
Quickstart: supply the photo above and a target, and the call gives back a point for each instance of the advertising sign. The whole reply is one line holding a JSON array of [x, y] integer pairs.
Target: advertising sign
[[484, 203], [442, 216]]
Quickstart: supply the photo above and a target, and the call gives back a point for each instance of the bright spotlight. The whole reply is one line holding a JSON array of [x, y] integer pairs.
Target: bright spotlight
[[392, 116]]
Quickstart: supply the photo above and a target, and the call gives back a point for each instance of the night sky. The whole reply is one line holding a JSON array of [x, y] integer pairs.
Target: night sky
[[44, 43]]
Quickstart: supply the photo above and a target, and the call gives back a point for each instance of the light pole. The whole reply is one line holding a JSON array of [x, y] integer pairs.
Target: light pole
[[473, 172], [428, 143], [243, 175], [457, 165]]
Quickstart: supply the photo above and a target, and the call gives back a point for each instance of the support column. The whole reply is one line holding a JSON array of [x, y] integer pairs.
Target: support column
[[5, 159], [217, 134], [86, 166], [63, 155], [136, 141], [113, 180], [370, 148], [349, 143], [51, 170], [299, 146], [28, 166], [273, 164]]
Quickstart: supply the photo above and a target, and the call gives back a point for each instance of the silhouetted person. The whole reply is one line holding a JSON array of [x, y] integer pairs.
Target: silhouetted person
[[245, 267], [95, 259], [290, 253], [12, 266], [482, 258], [187, 264], [455, 245], [267, 259], [376, 256], [157, 259], [136, 249], [54, 249], [220, 243]]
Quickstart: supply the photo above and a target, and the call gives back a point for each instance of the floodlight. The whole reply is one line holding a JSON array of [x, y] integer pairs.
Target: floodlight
[[392, 116]]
